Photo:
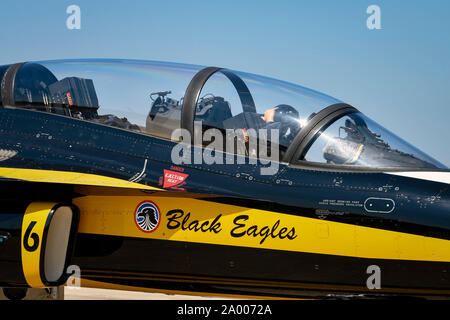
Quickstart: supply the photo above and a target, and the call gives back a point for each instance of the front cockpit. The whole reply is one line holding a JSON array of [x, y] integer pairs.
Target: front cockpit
[[157, 98]]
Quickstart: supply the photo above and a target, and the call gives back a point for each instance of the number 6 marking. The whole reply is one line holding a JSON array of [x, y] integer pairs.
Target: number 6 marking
[[33, 236]]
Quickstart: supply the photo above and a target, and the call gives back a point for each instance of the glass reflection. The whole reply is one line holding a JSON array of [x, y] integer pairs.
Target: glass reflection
[[356, 140], [146, 97]]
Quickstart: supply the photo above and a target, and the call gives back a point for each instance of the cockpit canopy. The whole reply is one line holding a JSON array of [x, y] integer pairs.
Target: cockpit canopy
[[156, 98]]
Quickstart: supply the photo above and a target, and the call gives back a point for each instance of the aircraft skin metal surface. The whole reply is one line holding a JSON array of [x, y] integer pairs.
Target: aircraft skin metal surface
[[147, 224]]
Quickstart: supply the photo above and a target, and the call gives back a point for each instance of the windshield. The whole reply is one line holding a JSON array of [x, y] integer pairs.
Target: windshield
[[356, 140]]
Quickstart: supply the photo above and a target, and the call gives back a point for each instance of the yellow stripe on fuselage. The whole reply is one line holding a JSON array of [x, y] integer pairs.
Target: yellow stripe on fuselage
[[67, 177], [114, 215]]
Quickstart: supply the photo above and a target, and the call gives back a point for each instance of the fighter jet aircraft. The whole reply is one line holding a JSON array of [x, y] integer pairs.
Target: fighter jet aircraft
[[177, 178]]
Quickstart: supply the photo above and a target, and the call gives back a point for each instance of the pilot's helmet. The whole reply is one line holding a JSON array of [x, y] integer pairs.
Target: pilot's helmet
[[286, 120], [284, 112]]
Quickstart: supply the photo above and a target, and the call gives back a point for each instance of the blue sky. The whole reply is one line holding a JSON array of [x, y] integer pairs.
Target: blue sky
[[399, 75]]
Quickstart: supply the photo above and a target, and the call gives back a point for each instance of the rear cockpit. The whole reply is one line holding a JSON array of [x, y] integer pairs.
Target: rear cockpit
[[156, 98]]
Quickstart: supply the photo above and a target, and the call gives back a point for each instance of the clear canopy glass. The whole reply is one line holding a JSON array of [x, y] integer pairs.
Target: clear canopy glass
[[146, 97], [279, 107]]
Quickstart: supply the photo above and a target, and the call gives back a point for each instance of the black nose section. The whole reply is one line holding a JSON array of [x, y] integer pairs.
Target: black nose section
[[435, 209]]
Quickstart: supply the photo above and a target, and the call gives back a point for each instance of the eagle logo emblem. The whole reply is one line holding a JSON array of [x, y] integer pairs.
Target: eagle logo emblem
[[147, 216]]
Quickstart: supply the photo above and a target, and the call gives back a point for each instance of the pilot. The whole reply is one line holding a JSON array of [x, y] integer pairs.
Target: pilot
[[284, 118]]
